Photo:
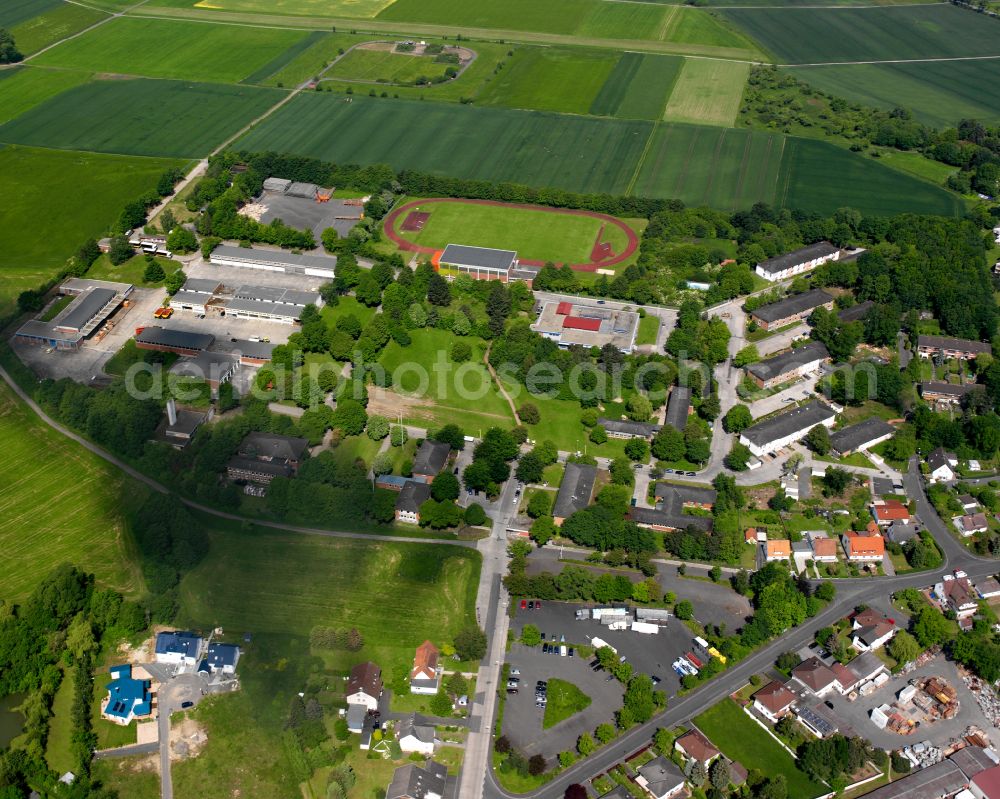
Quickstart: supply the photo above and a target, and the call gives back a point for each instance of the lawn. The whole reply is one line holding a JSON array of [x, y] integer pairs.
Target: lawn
[[638, 87], [551, 79], [536, 234], [85, 501], [565, 700], [385, 66], [140, 117], [649, 327], [23, 88], [55, 307], [739, 738], [54, 201], [347, 306], [58, 746], [707, 92], [131, 271], [820, 35], [157, 48], [54, 25], [938, 93]]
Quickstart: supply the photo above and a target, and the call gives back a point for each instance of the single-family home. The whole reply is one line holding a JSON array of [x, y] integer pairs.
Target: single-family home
[[941, 465], [773, 701], [222, 658], [414, 735], [696, 747], [969, 503], [431, 458], [364, 686], [777, 549], [988, 588], [863, 548], [846, 678], [816, 676], [415, 782], [972, 524], [871, 630], [824, 550], [900, 533], [889, 511], [128, 698], [961, 597], [425, 676], [410, 498], [178, 648], [661, 778]]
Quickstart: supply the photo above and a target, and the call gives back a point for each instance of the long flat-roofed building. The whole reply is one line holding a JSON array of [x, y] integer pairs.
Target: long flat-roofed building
[[678, 407], [797, 262], [575, 491], [786, 428], [587, 325], [788, 366], [947, 347], [94, 301], [479, 263], [168, 339], [791, 309], [946, 393], [861, 436], [275, 261], [626, 428]]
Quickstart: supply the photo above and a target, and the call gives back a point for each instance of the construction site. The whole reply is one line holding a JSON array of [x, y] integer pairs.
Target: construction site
[[305, 206], [922, 702]]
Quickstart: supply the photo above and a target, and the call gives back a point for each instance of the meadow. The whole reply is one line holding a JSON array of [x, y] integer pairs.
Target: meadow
[[551, 79], [60, 504], [707, 92], [638, 87], [820, 35], [384, 66], [938, 93], [50, 26], [140, 117], [173, 49], [24, 88], [13, 12], [54, 201]]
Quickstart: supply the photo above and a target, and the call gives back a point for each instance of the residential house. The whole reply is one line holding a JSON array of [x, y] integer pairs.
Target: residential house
[[972, 524], [797, 262], [178, 648], [941, 466], [988, 588], [430, 460], [410, 498], [961, 597], [626, 428], [128, 698], [824, 550], [947, 347], [364, 686], [889, 511], [425, 676], [415, 782], [816, 676], [696, 748], [846, 678], [415, 736], [871, 630], [661, 778], [777, 549], [862, 435], [773, 701], [222, 658], [791, 309], [574, 492], [867, 666], [900, 533], [946, 393], [788, 366], [862, 548], [969, 503]]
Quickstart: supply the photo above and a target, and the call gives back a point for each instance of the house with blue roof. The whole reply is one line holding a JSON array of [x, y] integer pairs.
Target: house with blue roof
[[178, 648], [222, 657], [128, 698]]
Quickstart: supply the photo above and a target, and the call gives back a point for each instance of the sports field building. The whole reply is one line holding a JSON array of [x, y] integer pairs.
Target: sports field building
[[797, 262], [274, 261], [93, 303], [483, 263], [786, 428], [587, 325]]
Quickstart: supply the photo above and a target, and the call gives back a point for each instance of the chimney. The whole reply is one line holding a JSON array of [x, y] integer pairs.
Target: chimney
[[171, 412]]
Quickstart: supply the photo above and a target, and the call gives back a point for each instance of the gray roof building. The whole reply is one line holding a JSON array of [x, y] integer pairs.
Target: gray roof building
[[859, 435], [782, 262], [271, 446], [788, 423], [667, 520], [575, 489], [795, 305], [788, 362], [431, 457], [85, 308], [297, 264], [662, 775], [856, 312], [483, 257], [413, 782], [174, 339], [670, 493], [933, 782], [412, 496], [415, 725], [201, 285], [948, 344], [678, 406], [626, 427]]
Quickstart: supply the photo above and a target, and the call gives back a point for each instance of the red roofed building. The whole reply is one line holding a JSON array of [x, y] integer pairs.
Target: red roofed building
[[863, 548], [695, 746], [582, 323], [824, 549], [986, 784], [889, 511], [425, 677], [773, 700]]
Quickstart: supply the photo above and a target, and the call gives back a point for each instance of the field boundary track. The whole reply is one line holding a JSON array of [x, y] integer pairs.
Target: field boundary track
[[397, 214]]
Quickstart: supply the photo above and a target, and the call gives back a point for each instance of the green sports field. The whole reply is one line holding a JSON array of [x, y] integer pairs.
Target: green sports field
[[820, 35], [707, 92], [384, 66], [173, 49], [24, 88], [938, 93], [551, 79], [140, 117], [536, 235], [59, 504], [638, 87], [53, 25], [55, 200]]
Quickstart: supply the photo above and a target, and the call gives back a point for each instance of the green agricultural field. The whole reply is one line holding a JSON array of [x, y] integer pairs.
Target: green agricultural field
[[68, 18], [638, 87], [173, 49], [739, 738], [707, 92], [938, 93], [54, 201], [820, 177], [140, 117], [14, 12], [536, 235], [285, 57], [385, 66], [85, 501], [311, 61], [551, 79], [820, 35], [540, 149], [23, 88], [723, 168], [323, 8]]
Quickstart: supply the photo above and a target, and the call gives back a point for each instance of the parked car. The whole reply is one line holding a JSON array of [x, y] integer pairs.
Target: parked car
[[538, 604], [656, 680], [512, 690], [531, 606], [524, 604], [691, 474], [572, 653], [187, 704], [515, 672]]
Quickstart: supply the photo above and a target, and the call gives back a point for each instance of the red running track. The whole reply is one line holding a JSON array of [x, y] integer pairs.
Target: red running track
[[408, 246]]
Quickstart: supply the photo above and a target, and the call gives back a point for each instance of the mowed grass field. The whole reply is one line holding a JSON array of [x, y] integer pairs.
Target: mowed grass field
[[707, 92], [25, 87], [54, 201], [385, 66], [53, 25], [140, 117], [13, 12], [638, 87], [938, 93], [820, 35], [539, 149], [739, 738], [535, 234], [59, 504], [173, 49]]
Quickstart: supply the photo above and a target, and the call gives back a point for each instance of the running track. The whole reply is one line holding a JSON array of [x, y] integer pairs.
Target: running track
[[399, 214]]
